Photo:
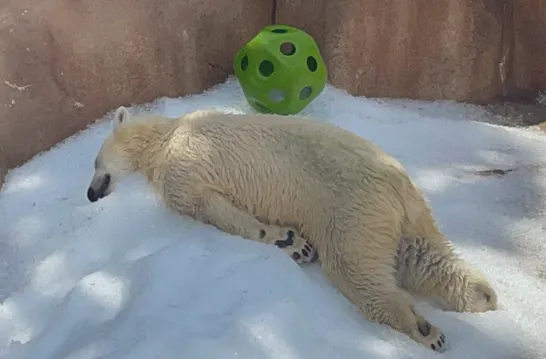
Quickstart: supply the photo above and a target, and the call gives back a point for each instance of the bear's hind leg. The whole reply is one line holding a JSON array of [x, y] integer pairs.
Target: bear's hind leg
[[361, 267], [427, 265], [221, 213], [387, 304], [430, 268]]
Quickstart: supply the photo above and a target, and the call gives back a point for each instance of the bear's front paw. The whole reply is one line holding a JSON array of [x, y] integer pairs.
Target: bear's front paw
[[294, 245], [431, 336]]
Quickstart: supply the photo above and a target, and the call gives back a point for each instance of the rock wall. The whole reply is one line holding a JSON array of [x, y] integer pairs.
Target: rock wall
[[64, 63], [477, 51], [420, 49], [529, 39]]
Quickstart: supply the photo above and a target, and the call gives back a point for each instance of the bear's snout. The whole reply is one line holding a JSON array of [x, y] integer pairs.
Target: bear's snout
[[91, 195], [94, 194]]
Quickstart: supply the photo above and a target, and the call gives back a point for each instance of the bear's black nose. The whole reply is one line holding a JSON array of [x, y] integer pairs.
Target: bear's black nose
[[91, 195]]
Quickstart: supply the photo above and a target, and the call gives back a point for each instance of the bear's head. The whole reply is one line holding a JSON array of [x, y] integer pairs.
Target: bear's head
[[481, 294], [115, 159]]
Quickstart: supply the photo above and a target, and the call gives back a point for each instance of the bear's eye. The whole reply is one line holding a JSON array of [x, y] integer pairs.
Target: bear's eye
[[487, 297]]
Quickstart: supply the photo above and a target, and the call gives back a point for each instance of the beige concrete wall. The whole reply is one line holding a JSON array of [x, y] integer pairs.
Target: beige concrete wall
[[529, 19], [416, 49], [64, 63]]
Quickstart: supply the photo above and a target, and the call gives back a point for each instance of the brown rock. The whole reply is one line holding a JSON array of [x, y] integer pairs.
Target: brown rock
[[3, 168], [417, 49], [64, 63], [529, 25]]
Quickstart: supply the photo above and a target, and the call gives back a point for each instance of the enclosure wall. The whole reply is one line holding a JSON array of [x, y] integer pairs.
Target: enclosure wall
[[65, 63]]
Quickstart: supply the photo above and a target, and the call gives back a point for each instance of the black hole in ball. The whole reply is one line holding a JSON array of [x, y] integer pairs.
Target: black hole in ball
[[312, 64], [244, 63], [288, 48], [266, 68], [305, 92], [279, 31]]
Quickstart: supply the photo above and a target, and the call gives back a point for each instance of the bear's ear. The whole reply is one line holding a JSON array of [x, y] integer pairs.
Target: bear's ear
[[121, 115]]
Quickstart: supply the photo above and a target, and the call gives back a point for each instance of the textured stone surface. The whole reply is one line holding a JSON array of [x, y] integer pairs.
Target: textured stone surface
[[416, 49], [529, 58], [64, 63], [3, 168]]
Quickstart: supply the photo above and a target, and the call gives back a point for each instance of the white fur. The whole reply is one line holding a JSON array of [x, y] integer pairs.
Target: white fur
[[354, 204]]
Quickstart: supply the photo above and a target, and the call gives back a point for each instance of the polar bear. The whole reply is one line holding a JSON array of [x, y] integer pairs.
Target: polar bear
[[314, 190]]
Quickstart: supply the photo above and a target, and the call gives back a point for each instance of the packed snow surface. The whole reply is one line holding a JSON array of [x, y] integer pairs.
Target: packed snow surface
[[126, 278]]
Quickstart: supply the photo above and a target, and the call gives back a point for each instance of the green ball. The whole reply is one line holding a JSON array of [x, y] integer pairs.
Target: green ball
[[280, 70]]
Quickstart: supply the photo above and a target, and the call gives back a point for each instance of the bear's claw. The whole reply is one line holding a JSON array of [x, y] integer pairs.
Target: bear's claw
[[440, 345], [297, 248], [306, 255], [433, 338]]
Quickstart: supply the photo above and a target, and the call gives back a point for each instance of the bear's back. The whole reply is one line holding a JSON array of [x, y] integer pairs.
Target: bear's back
[[278, 167], [291, 138]]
